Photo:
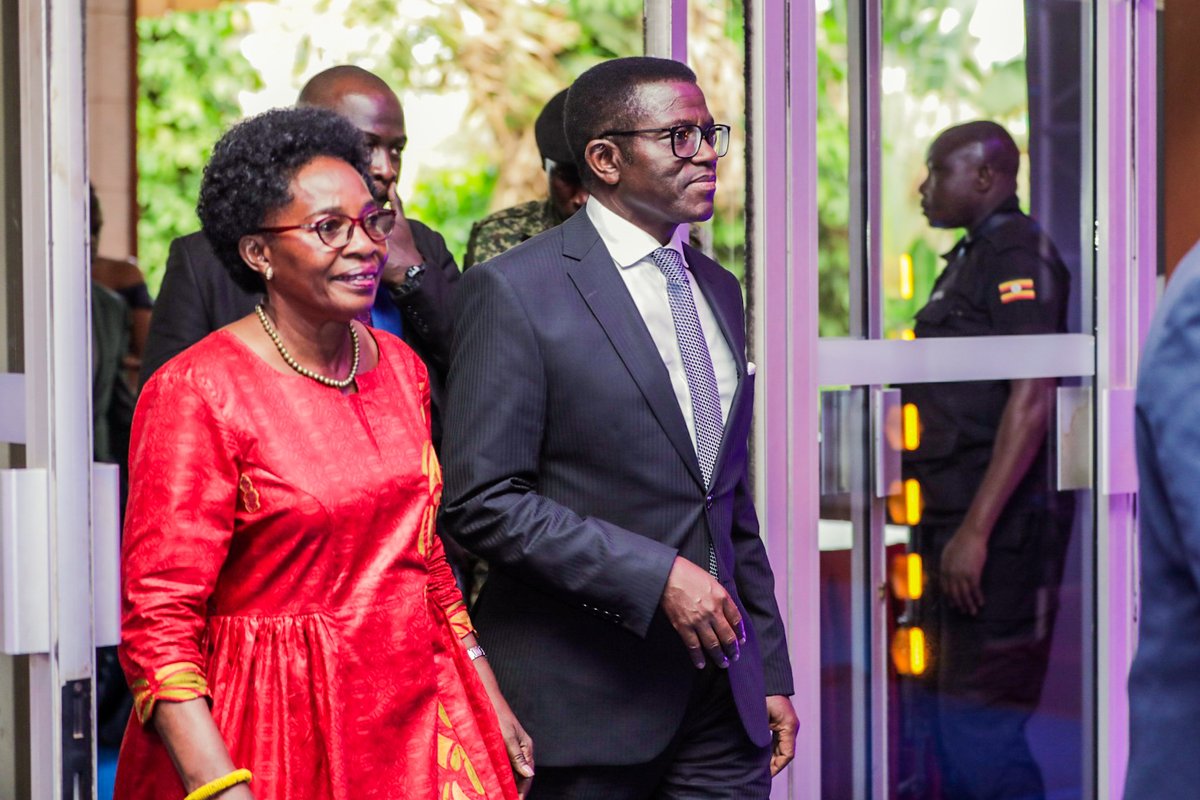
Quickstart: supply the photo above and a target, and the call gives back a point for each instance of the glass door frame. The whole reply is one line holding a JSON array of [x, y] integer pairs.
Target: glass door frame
[[47, 408]]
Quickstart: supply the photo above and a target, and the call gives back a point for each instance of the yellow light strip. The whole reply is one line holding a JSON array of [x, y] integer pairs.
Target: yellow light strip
[[912, 501], [906, 276], [916, 651], [916, 576], [911, 426]]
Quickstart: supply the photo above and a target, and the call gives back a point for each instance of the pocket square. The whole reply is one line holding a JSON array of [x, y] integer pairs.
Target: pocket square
[[751, 368]]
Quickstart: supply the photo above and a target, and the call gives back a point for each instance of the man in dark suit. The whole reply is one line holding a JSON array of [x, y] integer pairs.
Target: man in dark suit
[[599, 406], [1164, 684], [198, 296]]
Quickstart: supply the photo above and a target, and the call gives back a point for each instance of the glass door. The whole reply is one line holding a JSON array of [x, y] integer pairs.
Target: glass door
[[953, 534], [946, 347]]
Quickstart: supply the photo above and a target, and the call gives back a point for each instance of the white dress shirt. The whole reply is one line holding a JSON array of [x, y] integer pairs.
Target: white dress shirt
[[631, 249]]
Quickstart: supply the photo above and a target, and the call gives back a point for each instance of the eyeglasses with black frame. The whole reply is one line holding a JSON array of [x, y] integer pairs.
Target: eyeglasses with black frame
[[336, 230], [686, 139]]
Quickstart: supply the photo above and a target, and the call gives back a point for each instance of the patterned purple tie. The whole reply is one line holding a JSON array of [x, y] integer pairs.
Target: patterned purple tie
[[697, 367]]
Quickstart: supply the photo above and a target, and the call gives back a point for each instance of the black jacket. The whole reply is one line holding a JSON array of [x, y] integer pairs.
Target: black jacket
[[569, 467]]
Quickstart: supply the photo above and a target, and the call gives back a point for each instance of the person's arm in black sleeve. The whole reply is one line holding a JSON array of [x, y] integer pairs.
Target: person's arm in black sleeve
[[1025, 296], [180, 317], [426, 301]]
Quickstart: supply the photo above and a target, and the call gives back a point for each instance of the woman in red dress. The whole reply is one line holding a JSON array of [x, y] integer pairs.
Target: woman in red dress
[[288, 609]]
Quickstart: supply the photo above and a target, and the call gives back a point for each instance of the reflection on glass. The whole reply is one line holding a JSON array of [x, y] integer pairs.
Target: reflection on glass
[[833, 168], [717, 52], [1013, 62], [966, 127], [841, 589], [992, 533]]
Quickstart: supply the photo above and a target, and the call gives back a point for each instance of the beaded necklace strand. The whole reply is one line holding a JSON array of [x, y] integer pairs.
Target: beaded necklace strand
[[308, 373]]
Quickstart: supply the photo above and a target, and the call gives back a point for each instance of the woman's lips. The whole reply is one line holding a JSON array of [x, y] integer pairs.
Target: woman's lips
[[365, 279]]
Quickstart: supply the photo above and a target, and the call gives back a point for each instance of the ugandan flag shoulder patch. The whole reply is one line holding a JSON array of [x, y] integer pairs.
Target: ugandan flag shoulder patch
[[1017, 289]]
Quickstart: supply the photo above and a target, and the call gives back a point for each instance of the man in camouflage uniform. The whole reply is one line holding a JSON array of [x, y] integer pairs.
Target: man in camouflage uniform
[[508, 227]]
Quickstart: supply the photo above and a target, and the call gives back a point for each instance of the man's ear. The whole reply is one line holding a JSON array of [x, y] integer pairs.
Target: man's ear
[[255, 252], [604, 158], [985, 178]]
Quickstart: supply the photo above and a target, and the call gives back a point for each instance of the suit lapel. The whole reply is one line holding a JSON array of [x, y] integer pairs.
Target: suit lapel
[[595, 277]]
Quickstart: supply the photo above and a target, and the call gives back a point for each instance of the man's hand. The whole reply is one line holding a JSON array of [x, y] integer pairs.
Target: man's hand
[[962, 570], [703, 614], [402, 251], [782, 720]]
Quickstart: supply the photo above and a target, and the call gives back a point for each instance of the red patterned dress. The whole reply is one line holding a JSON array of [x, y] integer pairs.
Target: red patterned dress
[[280, 559]]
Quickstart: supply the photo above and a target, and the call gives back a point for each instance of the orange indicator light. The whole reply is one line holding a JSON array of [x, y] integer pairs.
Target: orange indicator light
[[908, 651], [908, 576]]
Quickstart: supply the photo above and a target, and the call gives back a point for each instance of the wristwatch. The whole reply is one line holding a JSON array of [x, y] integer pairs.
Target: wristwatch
[[412, 280], [476, 652]]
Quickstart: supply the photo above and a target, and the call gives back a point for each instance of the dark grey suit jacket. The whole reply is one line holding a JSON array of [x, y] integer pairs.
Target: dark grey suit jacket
[[1164, 684], [197, 297], [569, 467]]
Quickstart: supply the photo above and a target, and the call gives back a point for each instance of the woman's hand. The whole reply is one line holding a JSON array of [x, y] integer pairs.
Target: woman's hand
[[519, 746], [516, 740]]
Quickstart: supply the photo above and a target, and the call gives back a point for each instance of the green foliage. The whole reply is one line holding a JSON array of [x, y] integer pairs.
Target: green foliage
[[189, 74], [930, 45], [450, 201], [833, 174], [611, 28]]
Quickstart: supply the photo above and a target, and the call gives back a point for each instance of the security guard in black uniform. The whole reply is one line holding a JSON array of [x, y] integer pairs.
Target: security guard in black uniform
[[993, 533]]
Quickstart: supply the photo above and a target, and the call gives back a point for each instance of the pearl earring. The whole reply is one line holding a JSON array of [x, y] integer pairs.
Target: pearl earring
[[270, 273]]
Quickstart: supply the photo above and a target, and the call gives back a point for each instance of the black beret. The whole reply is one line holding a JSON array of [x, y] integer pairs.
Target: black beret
[[548, 130]]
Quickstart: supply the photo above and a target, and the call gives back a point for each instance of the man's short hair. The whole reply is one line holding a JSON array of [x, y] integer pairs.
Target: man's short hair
[[251, 170], [999, 149], [605, 98]]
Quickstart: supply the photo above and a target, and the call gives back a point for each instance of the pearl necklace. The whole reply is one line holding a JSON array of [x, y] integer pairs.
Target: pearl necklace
[[308, 373]]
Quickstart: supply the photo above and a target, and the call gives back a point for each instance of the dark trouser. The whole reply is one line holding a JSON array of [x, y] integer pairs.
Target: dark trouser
[[709, 757], [987, 671]]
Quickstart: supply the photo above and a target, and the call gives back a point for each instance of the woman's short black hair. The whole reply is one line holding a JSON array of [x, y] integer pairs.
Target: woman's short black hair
[[251, 170], [604, 98]]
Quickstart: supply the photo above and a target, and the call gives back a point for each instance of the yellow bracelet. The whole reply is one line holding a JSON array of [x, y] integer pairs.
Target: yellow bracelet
[[215, 787]]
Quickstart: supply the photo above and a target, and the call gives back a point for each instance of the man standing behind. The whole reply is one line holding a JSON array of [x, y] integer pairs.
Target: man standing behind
[[993, 533], [1164, 684], [598, 412], [198, 296], [507, 228]]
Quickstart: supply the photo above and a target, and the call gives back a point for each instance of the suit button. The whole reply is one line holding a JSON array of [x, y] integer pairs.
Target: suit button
[[708, 502]]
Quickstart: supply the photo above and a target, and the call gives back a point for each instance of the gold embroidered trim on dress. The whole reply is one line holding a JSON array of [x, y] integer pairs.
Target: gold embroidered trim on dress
[[457, 775], [176, 682], [460, 620], [249, 493]]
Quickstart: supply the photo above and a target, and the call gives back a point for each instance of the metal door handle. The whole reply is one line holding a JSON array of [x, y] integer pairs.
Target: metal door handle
[[888, 436], [106, 554], [24, 561]]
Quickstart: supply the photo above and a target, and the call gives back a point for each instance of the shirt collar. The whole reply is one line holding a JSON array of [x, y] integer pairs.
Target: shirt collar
[[627, 243], [1010, 206]]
